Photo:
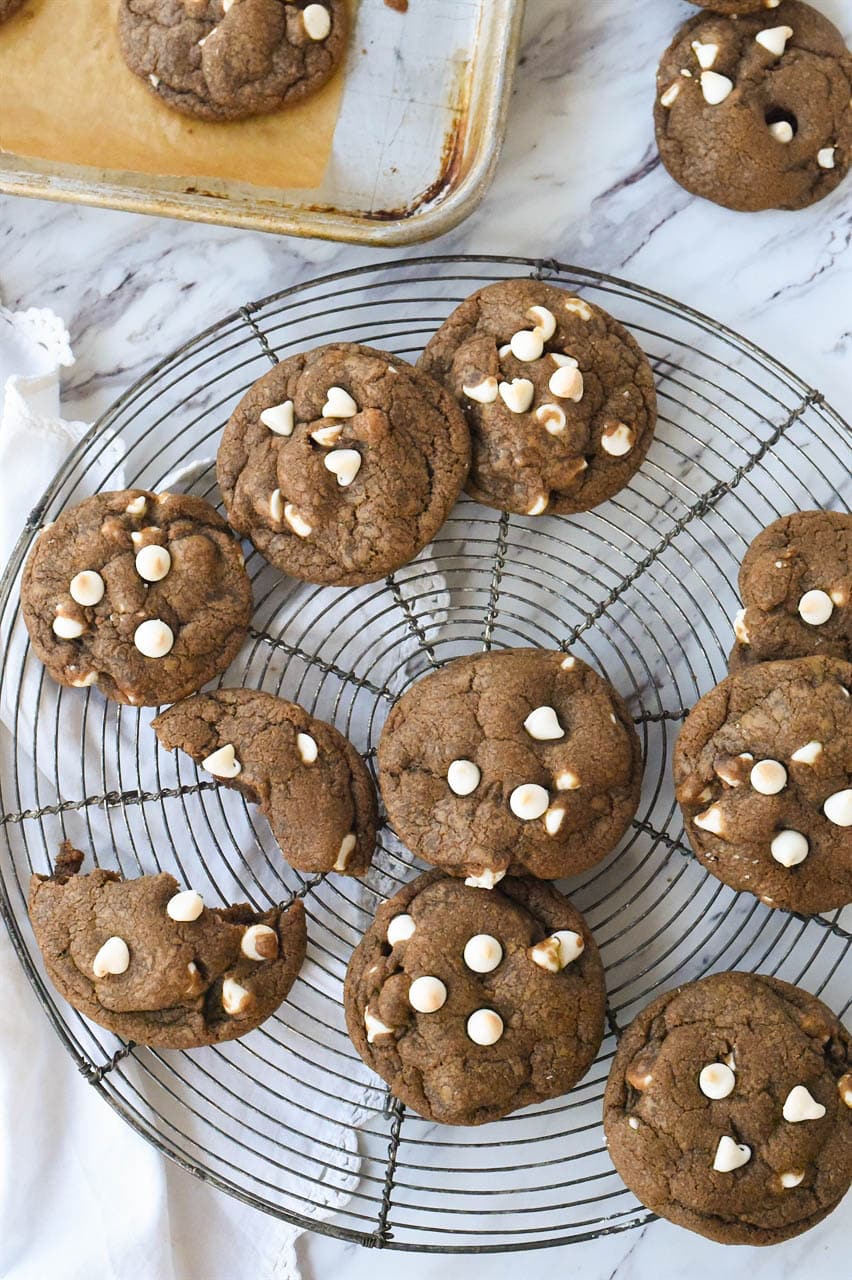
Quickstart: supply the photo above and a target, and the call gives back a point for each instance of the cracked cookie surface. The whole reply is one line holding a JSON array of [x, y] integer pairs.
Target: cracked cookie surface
[[535, 767], [558, 396], [761, 770], [754, 112], [727, 1108], [342, 463], [468, 1004], [145, 595], [227, 59], [152, 963], [796, 588], [308, 780]]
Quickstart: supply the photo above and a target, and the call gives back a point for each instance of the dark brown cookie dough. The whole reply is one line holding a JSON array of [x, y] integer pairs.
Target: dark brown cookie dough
[[727, 1108], [560, 401], [762, 120], [342, 463], [8, 7], [796, 586], [308, 779], [470, 1004], [152, 963], [737, 6], [522, 761], [145, 595], [226, 59], [762, 769]]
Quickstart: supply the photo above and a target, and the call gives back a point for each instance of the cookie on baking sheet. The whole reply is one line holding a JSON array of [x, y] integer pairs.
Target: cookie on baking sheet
[[226, 59], [522, 761], [8, 7], [753, 112], [559, 397], [145, 595], [153, 963], [342, 463], [470, 1004], [762, 769], [308, 779], [727, 1108], [796, 587]]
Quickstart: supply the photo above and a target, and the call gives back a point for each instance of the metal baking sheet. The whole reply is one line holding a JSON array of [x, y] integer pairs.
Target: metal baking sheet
[[421, 123]]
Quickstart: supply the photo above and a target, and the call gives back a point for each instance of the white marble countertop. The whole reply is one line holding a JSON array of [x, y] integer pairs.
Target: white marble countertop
[[579, 180]]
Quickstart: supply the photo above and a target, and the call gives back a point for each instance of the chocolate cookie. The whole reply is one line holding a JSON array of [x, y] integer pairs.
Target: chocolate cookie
[[8, 7], [559, 398], [761, 769], [522, 761], [471, 1005], [753, 112], [796, 585], [152, 963], [308, 779], [341, 464], [727, 1108], [145, 595], [226, 59], [736, 6]]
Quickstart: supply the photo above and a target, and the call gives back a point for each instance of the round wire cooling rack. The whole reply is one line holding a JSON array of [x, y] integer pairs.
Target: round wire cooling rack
[[643, 588]]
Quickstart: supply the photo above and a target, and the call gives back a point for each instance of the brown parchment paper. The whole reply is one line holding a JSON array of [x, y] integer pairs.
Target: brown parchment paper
[[66, 95]]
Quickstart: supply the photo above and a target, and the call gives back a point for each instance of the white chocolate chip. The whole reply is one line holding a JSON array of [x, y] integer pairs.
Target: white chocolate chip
[[154, 638], [343, 463], [838, 597], [539, 507], [543, 725], [463, 777], [715, 88], [782, 131], [153, 563], [482, 953], [567, 383], [669, 97], [768, 777], [633, 1122], [568, 663], [280, 418], [137, 506], [578, 308], [567, 780], [327, 436], [618, 439], [801, 1105], [563, 361], [297, 523], [113, 958], [375, 1027], [485, 879], [551, 417], [529, 801], [517, 395], [825, 157], [705, 53], [235, 997], [544, 321], [84, 682], [485, 1027], [844, 1088], [838, 808], [485, 392], [553, 820], [185, 906], [789, 848], [502, 352], [792, 1179], [740, 628], [557, 951], [730, 1155], [339, 403], [808, 754], [317, 20], [307, 748], [711, 820], [427, 994], [223, 763], [774, 39], [527, 346], [67, 628], [276, 506], [347, 848], [259, 942], [87, 588], [716, 1080], [400, 929], [815, 608]]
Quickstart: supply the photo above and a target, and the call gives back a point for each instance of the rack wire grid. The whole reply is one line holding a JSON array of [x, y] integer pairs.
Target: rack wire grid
[[288, 1119]]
